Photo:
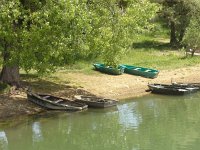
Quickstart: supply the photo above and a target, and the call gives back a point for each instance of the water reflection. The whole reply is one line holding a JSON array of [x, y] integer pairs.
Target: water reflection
[[3, 141], [127, 116], [37, 133], [153, 122]]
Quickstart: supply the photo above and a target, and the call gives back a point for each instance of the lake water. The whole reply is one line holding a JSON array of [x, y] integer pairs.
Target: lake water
[[153, 122]]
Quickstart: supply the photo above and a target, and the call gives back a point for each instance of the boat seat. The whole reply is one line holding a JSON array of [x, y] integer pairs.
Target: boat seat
[[60, 100], [136, 69], [45, 97], [147, 70]]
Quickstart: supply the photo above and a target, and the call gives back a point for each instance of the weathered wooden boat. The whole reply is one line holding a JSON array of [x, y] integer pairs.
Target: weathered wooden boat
[[95, 102], [140, 71], [55, 103], [171, 89], [187, 85], [108, 69]]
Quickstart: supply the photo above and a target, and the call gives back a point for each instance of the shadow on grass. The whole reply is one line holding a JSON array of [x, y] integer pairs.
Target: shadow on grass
[[29, 76], [55, 87], [161, 46]]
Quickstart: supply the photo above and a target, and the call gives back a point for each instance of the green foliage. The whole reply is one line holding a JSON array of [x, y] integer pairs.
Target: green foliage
[[4, 88], [122, 25], [149, 50], [156, 52], [43, 34], [192, 35], [177, 15]]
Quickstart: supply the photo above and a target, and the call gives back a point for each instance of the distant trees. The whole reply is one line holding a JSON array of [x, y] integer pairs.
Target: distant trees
[[43, 34], [177, 15], [192, 35], [182, 19]]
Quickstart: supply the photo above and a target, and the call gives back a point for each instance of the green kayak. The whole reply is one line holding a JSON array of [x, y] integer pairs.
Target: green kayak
[[108, 69], [140, 71]]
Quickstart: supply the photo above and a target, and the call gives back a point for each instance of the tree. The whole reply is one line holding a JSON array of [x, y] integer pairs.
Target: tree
[[177, 15], [192, 36], [124, 20], [43, 34]]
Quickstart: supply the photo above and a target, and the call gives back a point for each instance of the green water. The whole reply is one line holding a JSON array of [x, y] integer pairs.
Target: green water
[[149, 123]]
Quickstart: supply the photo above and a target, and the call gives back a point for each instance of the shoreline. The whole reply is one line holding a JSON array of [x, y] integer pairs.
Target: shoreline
[[121, 87], [130, 86]]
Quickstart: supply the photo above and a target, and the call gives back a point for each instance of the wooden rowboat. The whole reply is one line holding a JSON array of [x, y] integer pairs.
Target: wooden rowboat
[[171, 89], [108, 69], [140, 71], [55, 103], [96, 102], [187, 85]]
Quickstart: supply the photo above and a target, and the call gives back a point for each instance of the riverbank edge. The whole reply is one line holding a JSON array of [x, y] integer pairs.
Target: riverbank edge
[[118, 88], [30, 109]]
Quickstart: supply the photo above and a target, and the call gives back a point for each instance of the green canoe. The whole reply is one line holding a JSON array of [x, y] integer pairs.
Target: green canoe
[[140, 71], [108, 69]]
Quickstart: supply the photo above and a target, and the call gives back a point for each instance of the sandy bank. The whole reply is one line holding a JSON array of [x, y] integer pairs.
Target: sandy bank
[[117, 87], [125, 86]]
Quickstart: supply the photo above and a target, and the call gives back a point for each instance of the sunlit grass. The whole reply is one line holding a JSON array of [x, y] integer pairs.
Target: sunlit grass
[[155, 52], [151, 51], [160, 60], [147, 51]]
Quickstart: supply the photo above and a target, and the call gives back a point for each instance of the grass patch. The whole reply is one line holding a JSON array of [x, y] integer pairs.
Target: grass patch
[[156, 52], [153, 51], [80, 67], [4, 88], [160, 60], [147, 51]]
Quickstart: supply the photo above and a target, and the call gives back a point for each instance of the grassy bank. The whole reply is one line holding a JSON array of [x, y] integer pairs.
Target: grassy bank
[[156, 52], [147, 51]]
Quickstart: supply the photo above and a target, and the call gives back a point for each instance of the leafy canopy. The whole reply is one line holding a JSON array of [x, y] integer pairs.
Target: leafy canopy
[[192, 35], [42, 34]]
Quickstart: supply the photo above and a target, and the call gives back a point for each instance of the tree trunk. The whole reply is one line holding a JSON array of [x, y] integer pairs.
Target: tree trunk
[[173, 40], [182, 32], [9, 73]]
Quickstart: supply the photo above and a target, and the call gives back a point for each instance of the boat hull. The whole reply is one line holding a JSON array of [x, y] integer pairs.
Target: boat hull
[[171, 89], [140, 71], [66, 105], [109, 70], [95, 102]]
